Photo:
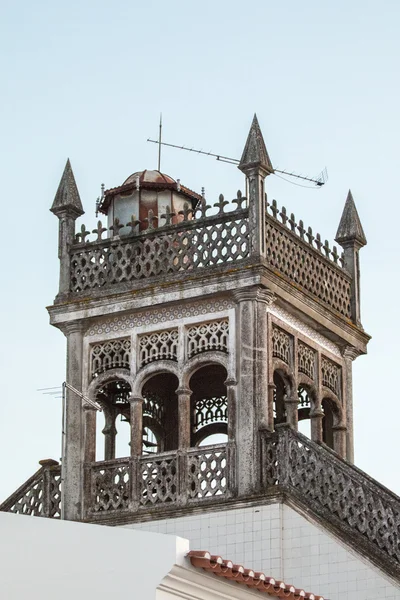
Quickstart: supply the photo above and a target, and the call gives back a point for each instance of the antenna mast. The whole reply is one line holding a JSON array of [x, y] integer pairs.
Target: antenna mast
[[159, 143], [319, 180]]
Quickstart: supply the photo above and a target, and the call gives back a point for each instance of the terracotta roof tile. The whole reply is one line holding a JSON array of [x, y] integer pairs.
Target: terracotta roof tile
[[252, 579]]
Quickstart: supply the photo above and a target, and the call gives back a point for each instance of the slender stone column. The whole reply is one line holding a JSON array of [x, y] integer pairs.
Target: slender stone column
[[316, 417], [110, 432], [339, 440], [90, 433], [183, 417], [74, 434], [136, 425], [136, 444], [89, 416], [252, 368], [232, 408], [292, 404], [349, 354]]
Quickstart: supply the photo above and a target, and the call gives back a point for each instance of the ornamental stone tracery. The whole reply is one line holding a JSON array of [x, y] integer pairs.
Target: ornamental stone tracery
[[208, 337], [281, 344], [330, 375], [162, 345], [110, 355]]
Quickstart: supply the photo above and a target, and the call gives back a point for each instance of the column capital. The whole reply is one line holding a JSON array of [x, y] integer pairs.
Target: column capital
[[73, 327], [339, 428], [350, 352], [135, 400], [230, 382], [317, 413], [183, 392], [258, 294]]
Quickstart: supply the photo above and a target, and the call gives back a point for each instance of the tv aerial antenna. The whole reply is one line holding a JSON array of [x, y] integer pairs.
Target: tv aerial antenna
[[318, 181]]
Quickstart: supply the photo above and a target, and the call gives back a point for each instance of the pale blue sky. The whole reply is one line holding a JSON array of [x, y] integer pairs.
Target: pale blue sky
[[88, 79]]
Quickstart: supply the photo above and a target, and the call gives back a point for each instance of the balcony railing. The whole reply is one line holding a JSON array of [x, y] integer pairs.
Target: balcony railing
[[179, 478], [343, 496], [40, 495]]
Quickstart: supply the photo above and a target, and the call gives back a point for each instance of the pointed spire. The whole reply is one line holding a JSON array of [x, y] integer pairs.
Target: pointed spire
[[255, 153], [350, 228], [67, 196]]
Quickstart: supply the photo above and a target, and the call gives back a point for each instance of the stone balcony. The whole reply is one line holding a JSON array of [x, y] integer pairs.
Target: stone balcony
[[292, 469]]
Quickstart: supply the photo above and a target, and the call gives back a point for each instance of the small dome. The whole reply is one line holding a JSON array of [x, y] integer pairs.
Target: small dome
[[149, 177]]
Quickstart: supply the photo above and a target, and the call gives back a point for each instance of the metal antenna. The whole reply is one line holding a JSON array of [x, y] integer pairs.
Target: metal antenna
[[159, 144], [319, 180], [58, 392]]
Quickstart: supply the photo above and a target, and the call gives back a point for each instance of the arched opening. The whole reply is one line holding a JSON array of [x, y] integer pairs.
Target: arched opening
[[331, 419], [114, 399], [209, 406], [304, 409], [281, 391], [160, 414]]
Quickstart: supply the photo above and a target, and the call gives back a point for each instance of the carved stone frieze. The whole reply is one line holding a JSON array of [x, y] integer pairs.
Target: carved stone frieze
[[305, 329], [121, 323]]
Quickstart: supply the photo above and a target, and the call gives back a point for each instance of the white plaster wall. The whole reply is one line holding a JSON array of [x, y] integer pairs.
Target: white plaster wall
[[46, 559], [283, 544]]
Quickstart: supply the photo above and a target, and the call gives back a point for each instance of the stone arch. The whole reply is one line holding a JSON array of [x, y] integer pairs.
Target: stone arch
[[333, 425], [208, 403], [106, 377], [157, 387], [112, 390], [203, 360], [155, 368]]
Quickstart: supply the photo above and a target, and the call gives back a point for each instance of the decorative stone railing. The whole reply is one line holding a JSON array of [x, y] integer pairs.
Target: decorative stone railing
[[353, 504], [128, 485], [304, 260], [197, 242], [201, 241], [40, 495]]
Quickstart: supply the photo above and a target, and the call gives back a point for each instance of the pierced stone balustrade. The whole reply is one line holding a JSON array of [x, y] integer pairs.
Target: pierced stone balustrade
[[345, 498], [131, 486], [40, 495]]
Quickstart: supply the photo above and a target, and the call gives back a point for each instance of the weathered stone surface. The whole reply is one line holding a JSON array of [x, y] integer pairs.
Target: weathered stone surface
[[350, 228], [255, 152], [67, 196]]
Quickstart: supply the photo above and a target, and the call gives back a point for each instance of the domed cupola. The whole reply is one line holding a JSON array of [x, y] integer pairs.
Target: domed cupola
[[143, 191]]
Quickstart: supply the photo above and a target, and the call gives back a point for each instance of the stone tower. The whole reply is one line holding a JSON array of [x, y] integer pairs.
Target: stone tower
[[213, 335], [196, 328]]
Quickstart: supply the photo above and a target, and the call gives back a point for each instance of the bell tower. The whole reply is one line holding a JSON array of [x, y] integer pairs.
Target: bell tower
[[204, 332]]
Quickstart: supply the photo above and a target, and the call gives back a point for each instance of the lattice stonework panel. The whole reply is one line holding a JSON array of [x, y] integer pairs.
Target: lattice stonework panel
[[159, 479], [306, 357], [208, 336], [330, 375], [55, 494], [281, 344], [190, 245], [207, 473], [211, 410], [162, 345], [305, 268], [110, 355], [31, 502], [110, 487]]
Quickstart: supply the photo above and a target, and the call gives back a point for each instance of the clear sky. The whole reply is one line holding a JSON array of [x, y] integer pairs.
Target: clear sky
[[87, 80]]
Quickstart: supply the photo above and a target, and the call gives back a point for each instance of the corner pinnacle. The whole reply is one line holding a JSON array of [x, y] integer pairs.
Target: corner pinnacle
[[67, 196], [350, 228], [255, 152]]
